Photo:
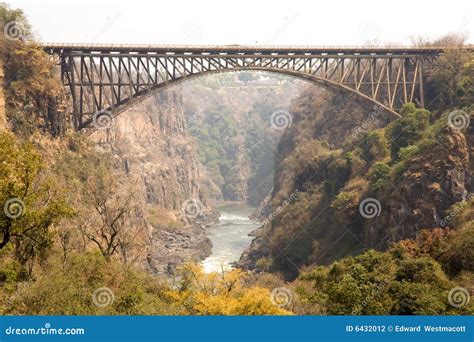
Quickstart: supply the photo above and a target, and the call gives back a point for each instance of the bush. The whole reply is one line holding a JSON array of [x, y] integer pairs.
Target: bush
[[450, 84], [69, 289], [379, 177], [407, 152], [408, 129], [219, 294], [343, 201], [376, 283], [373, 145], [74, 287], [36, 201]]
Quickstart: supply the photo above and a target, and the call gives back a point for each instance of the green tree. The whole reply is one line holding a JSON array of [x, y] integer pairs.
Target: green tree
[[373, 145], [450, 82], [379, 177], [8, 15], [408, 129], [30, 200]]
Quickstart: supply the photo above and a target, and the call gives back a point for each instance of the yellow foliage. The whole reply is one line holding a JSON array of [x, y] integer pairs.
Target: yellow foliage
[[223, 293]]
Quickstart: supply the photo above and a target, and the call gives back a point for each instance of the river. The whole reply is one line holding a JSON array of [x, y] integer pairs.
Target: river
[[230, 236]]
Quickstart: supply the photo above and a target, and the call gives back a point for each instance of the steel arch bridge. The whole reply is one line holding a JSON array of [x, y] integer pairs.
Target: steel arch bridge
[[112, 78]]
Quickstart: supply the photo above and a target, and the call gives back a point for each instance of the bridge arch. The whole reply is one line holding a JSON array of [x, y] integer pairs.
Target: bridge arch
[[114, 78], [129, 103]]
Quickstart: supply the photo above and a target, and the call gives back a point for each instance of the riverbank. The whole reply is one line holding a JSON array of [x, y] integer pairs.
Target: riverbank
[[171, 248]]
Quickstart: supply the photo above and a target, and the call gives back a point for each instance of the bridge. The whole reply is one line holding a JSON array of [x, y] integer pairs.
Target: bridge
[[108, 79]]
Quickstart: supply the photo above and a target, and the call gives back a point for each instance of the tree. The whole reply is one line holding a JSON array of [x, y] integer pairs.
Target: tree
[[33, 93], [7, 15], [115, 230], [379, 177], [31, 202], [110, 215], [452, 80], [373, 145], [220, 294], [402, 281], [408, 129], [449, 83]]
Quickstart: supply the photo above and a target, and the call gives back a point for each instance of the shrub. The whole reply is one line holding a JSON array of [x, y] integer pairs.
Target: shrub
[[379, 177], [344, 201], [408, 152], [408, 129], [373, 145]]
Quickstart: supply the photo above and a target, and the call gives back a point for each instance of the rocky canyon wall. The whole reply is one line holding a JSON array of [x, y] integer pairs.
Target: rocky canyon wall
[[333, 166], [150, 144]]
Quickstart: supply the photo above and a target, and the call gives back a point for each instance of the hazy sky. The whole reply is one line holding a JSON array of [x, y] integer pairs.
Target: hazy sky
[[313, 22]]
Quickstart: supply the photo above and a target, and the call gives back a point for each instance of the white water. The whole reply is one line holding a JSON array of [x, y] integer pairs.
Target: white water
[[229, 237]]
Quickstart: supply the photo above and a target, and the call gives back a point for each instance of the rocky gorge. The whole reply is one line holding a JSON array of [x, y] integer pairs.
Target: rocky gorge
[[334, 165], [158, 145], [333, 205], [151, 144], [166, 143]]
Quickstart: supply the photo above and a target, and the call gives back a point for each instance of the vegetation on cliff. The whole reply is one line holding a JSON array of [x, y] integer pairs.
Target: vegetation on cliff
[[72, 230], [408, 253], [413, 278], [230, 121], [73, 227], [34, 97]]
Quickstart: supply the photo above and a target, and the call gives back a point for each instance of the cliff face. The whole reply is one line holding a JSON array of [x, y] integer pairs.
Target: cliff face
[[332, 118], [326, 165], [150, 140], [231, 122], [420, 198], [150, 144]]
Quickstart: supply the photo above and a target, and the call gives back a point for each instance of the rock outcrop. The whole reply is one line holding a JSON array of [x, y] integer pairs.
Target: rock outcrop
[[419, 199], [322, 157], [150, 143]]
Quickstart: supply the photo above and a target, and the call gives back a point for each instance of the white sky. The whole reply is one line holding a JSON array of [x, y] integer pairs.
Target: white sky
[[308, 22]]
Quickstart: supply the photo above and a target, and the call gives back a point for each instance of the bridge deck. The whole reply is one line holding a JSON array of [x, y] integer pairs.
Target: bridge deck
[[111, 78], [243, 49]]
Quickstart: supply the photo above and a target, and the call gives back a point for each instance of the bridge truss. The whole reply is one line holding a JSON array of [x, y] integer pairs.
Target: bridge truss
[[113, 78]]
